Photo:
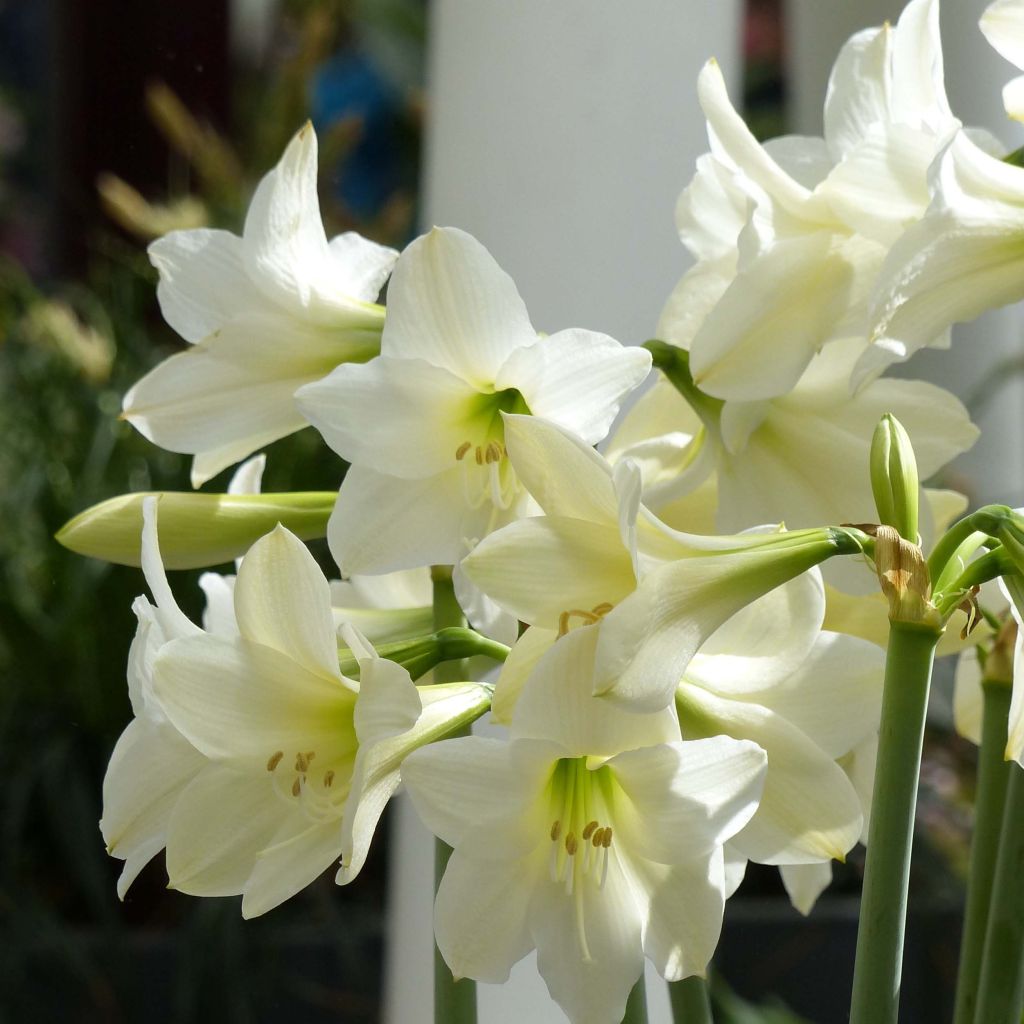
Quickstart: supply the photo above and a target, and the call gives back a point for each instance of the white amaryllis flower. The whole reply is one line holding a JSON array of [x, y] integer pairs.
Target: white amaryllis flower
[[801, 458], [595, 836], [291, 763], [422, 425], [265, 313], [1003, 26], [964, 257], [789, 236]]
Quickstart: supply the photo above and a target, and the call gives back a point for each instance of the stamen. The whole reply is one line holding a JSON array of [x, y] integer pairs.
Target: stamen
[[556, 830], [588, 830], [571, 844], [301, 763], [606, 839], [598, 836], [479, 456], [329, 778], [274, 760], [460, 452], [296, 786], [603, 608]]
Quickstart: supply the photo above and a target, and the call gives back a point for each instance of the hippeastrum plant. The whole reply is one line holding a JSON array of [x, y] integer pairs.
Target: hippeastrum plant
[[675, 701]]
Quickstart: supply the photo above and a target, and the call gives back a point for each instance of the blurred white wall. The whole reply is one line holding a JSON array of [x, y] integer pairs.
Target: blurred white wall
[[994, 469], [560, 134]]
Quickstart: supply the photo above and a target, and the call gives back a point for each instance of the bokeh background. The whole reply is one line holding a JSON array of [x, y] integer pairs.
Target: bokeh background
[[561, 135]]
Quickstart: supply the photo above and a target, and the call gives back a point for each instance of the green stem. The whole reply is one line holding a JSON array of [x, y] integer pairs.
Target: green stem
[[1001, 988], [985, 521], [636, 1005], [993, 776], [454, 1001], [996, 563], [690, 1001], [675, 364], [883, 912]]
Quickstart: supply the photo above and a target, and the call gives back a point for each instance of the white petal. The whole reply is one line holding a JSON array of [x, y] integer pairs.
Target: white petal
[[381, 523], [1013, 98], [694, 297], [295, 855], [203, 281], [686, 906], [518, 666], [918, 87], [809, 810], [483, 614], [1002, 24], [283, 600], [150, 766], [968, 702], [575, 378], [388, 703], [241, 702], [711, 211], [541, 567], [219, 613], [397, 590], [805, 883], [590, 989], [173, 622], [859, 87], [557, 705], [480, 917], [805, 158], [1015, 721], [451, 304], [219, 825], [683, 799], [248, 478], [563, 473], [363, 266], [404, 417], [234, 392]]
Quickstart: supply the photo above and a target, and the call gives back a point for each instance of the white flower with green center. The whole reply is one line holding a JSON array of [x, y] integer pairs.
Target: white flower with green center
[[422, 425], [265, 313], [594, 836], [292, 762]]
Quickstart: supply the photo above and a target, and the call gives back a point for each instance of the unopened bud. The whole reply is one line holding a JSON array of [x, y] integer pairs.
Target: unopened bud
[[196, 530], [894, 480]]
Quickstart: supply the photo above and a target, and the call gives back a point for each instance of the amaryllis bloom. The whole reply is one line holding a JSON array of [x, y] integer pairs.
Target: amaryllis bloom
[[265, 313], [790, 235], [595, 836], [292, 762], [422, 425]]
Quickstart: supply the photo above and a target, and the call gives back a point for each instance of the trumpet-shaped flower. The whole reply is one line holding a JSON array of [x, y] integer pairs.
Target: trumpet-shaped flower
[[265, 313], [595, 836], [423, 424], [790, 236], [292, 762]]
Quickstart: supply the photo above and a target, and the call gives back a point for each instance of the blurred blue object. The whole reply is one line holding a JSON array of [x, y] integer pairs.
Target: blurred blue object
[[351, 85]]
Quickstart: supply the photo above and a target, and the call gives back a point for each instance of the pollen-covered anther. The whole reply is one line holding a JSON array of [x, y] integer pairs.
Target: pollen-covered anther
[[479, 453], [329, 778], [494, 452], [274, 760], [302, 760], [571, 844], [460, 452], [556, 831], [606, 836], [296, 786], [589, 829]]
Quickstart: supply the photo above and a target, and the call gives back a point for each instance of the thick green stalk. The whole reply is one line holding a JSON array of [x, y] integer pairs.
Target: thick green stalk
[[454, 1000], [636, 1005], [1001, 989], [993, 776], [690, 1001], [883, 912]]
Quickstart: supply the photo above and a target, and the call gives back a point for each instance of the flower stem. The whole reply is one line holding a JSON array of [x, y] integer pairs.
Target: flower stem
[[636, 1005], [454, 1001], [690, 1001], [1001, 988], [993, 776], [883, 912]]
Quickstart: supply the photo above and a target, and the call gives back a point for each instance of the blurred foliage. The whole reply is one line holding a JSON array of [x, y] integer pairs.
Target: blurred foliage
[[68, 352]]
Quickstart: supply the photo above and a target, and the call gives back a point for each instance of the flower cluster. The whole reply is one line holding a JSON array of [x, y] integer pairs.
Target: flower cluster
[[677, 701]]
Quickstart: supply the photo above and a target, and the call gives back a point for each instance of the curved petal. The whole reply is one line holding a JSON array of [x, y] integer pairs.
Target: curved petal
[[219, 613], [805, 883], [451, 304], [203, 281], [687, 902], [711, 211], [968, 702], [283, 600], [241, 702], [576, 378], [809, 810], [1002, 24], [363, 266], [858, 89], [404, 417], [694, 297], [684, 799], [480, 917], [518, 667], [542, 567]]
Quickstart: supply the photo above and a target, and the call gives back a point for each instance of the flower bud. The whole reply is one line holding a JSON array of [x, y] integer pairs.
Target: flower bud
[[195, 529], [894, 480]]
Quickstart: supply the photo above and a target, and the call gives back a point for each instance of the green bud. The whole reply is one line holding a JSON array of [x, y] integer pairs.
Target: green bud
[[422, 653], [894, 480], [196, 529]]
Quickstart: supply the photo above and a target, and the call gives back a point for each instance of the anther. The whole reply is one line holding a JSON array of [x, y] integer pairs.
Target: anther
[[571, 844], [603, 608], [556, 831], [329, 778], [479, 455], [589, 830], [606, 838], [494, 452], [274, 760], [301, 763], [598, 836], [460, 452], [296, 787]]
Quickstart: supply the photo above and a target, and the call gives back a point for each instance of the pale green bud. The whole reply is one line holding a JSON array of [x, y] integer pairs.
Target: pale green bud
[[196, 530], [894, 480]]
